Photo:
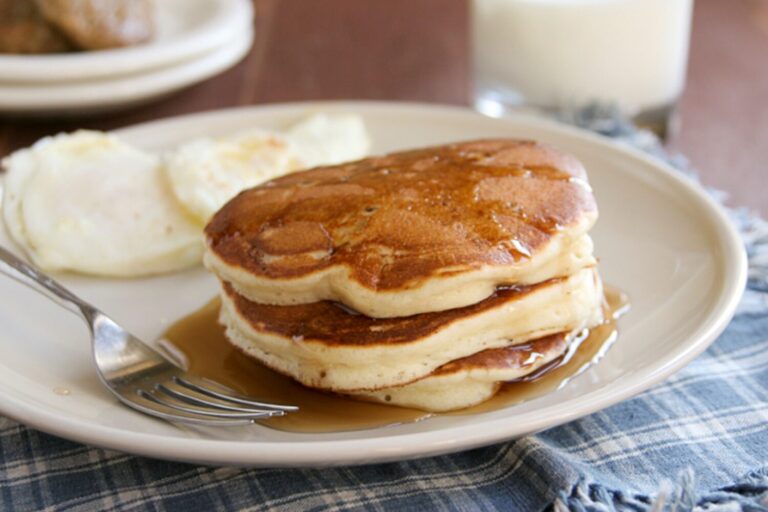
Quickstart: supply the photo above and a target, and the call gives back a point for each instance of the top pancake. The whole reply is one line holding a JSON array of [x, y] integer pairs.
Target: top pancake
[[410, 232]]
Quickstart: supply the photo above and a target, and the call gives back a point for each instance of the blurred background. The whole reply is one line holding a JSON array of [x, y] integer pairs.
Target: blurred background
[[422, 50]]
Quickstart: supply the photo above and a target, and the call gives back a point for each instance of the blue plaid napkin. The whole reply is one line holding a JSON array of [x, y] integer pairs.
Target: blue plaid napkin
[[697, 442]]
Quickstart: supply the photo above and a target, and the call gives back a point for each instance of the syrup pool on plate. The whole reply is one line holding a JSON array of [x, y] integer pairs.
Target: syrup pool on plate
[[199, 341]]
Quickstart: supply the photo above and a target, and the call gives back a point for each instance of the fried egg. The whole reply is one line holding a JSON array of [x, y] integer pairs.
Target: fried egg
[[90, 203], [206, 173], [328, 139]]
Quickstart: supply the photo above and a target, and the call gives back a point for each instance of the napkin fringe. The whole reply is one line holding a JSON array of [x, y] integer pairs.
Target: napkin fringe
[[749, 494], [754, 232]]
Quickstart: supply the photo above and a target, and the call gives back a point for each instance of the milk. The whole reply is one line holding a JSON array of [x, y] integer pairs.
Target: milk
[[568, 53]]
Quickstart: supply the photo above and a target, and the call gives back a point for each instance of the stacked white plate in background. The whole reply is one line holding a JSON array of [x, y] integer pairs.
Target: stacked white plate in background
[[195, 40]]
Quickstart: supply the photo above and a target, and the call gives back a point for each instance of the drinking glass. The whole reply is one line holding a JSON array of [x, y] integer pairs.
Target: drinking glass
[[560, 56]]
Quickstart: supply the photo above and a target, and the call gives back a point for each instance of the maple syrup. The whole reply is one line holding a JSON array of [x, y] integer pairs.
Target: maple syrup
[[199, 341]]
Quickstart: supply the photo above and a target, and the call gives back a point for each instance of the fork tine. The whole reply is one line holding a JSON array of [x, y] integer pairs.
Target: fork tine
[[204, 387], [152, 397], [204, 400], [153, 408], [123, 362]]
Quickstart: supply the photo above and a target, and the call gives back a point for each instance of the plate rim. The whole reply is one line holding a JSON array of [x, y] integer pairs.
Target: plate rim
[[733, 265], [122, 90], [76, 67]]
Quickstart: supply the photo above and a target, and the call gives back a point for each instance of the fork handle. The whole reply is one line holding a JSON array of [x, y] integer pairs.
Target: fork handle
[[28, 275]]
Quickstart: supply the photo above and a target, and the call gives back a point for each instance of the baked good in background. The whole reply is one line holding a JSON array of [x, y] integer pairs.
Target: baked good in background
[[56, 26], [101, 24], [23, 30]]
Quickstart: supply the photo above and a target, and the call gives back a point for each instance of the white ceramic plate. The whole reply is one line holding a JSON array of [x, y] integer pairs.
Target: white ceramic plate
[[659, 238], [78, 98], [185, 29]]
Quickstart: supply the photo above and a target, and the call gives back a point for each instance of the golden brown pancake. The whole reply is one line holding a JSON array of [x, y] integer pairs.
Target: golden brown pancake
[[524, 358], [471, 380], [325, 346], [333, 324], [423, 278], [416, 231]]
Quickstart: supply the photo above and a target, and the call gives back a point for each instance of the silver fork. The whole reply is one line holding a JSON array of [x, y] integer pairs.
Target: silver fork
[[139, 376]]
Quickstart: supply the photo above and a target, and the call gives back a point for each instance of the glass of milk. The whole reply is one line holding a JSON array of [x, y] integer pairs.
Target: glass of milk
[[561, 55]]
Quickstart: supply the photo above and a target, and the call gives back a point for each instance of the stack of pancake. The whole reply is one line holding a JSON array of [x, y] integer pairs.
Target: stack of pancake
[[424, 278]]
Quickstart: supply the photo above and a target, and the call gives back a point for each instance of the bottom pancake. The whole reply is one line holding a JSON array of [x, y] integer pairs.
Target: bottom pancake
[[474, 379]]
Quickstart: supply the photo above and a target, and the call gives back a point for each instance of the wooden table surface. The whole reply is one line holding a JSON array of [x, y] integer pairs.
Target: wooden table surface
[[724, 111], [418, 50]]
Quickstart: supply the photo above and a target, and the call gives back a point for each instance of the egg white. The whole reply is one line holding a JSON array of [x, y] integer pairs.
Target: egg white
[[328, 139], [90, 203], [206, 173]]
